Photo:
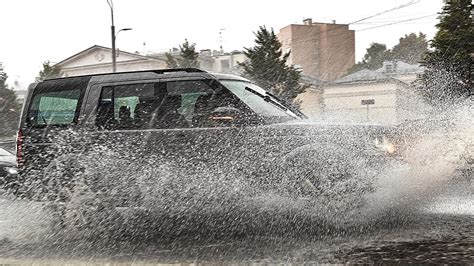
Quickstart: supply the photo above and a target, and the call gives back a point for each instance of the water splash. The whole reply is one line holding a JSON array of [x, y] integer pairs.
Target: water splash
[[176, 200]]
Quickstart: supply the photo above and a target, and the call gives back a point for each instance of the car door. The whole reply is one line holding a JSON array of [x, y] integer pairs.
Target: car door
[[190, 127]]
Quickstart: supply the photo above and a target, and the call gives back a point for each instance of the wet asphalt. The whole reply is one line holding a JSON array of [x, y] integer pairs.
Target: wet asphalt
[[441, 232]]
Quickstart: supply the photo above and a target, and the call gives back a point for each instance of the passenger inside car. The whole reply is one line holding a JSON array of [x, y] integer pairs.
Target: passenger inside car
[[143, 112], [105, 116], [125, 119], [168, 114], [202, 109]]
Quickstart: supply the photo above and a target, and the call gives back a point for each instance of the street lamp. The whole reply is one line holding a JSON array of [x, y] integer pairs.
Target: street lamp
[[114, 35]]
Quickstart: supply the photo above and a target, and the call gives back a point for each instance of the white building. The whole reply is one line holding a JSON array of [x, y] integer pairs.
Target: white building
[[98, 59], [382, 96], [213, 61]]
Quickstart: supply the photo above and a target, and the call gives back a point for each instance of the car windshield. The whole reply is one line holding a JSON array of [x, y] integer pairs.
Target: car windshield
[[258, 99]]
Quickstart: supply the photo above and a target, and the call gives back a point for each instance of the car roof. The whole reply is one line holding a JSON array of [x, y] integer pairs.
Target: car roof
[[221, 76], [151, 74]]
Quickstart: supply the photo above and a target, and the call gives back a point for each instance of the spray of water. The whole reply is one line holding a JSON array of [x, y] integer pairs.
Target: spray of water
[[166, 198]]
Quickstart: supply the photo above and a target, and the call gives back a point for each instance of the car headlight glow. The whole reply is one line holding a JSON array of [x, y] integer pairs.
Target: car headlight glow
[[11, 170], [389, 147], [385, 145]]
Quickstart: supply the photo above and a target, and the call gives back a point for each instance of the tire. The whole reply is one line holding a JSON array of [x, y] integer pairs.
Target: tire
[[73, 199], [310, 172]]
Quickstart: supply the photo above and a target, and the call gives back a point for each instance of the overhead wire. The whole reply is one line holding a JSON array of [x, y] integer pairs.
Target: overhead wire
[[386, 11], [369, 28], [362, 19], [397, 22]]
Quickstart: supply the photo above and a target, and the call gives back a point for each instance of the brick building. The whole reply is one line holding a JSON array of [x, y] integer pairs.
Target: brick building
[[324, 51]]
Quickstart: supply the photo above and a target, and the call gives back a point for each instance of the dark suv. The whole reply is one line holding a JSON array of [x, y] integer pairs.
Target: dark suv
[[115, 129]]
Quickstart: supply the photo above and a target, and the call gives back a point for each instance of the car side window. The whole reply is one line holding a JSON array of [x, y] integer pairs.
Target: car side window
[[171, 104], [206, 103]]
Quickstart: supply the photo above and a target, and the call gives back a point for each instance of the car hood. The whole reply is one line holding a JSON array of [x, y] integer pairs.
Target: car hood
[[7, 160], [311, 125], [315, 130]]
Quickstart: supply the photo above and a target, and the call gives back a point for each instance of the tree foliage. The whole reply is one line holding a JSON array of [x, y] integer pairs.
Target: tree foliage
[[267, 66], [448, 74], [373, 58], [410, 49], [48, 71], [171, 61], [9, 109], [188, 57]]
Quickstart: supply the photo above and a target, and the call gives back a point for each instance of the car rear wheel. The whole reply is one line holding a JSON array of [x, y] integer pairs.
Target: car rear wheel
[[74, 199]]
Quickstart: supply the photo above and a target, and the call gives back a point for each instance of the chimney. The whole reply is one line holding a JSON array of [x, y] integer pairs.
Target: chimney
[[308, 21], [389, 66], [206, 52]]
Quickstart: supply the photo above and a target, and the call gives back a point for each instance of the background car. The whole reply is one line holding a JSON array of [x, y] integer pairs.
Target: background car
[[8, 168]]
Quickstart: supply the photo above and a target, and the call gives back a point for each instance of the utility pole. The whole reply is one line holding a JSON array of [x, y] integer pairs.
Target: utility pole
[[112, 30], [367, 103], [114, 36], [220, 41]]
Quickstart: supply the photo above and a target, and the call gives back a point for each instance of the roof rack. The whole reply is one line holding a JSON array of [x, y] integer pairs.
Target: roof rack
[[157, 71], [188, 70]]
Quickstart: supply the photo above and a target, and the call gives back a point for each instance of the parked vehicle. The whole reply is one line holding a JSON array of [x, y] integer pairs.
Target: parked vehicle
[[188, 119], [8, 170]]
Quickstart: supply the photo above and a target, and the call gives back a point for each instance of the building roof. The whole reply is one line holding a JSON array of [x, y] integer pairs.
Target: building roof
[[312, 80], [390, 70], [362, 75], [398, 67], [99, 47]]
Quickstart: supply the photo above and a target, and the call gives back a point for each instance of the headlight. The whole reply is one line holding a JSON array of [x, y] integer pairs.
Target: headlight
[[11, 170], [389, 147], [384, 144]]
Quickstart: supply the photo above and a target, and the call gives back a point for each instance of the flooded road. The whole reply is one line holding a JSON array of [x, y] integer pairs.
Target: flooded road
[[442, 231]]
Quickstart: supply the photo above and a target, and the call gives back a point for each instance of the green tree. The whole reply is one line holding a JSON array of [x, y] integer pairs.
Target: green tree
[[171, 61], [447, 77], [267, 66], [48, 71], [410, 49], [188, 57], [9, 109], [373, 58]]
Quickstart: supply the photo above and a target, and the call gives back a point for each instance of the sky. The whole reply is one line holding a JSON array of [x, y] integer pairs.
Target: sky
[[36, 31]]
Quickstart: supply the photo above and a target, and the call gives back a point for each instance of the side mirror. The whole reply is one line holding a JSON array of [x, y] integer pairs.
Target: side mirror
[[225, 114]]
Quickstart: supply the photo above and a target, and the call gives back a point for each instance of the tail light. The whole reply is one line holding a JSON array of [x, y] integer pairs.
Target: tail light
[[19, 148]]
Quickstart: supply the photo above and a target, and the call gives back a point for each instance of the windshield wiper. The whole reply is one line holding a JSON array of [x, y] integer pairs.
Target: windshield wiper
[[44, 119], [267, 98]]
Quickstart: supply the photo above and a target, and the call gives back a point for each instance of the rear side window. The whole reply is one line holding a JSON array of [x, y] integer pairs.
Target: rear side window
[[56, 103], [171, 104]]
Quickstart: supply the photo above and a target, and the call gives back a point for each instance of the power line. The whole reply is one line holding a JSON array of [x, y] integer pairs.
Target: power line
[[380, 22], [412, 2], [398, 22], [344, 33], [386, 11]]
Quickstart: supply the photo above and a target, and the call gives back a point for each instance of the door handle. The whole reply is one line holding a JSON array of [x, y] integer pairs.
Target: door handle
[[180, 135]]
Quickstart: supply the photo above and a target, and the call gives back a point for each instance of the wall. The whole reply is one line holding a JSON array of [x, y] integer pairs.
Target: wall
[[324, 51], [311, 103], [232, 59], [343, 102]]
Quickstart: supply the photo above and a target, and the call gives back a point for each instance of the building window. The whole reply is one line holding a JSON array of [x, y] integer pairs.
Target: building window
[[225, 65]]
